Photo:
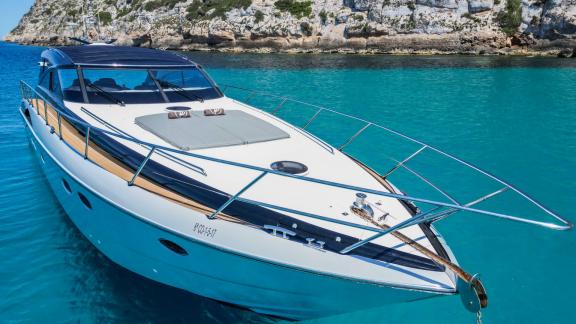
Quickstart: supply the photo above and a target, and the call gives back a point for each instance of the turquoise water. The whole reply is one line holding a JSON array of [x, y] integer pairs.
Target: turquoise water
[[514, 116]]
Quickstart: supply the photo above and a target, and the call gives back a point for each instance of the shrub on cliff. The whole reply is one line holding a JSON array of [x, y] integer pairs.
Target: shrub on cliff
[[112, 3], [306, 29], [258, 16], [511, 17], [199, 9], [323, 17], [133, 6], [155, 4], [105, 17], [297, 9]]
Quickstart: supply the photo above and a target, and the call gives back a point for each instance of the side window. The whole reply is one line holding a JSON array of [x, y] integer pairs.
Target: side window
[[55, 84], [70, 85], [45, 81], [51, 82]]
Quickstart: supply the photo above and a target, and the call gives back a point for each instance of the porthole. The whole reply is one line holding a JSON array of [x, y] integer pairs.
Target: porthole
[[66, 186], [173, 247], [85, 201]]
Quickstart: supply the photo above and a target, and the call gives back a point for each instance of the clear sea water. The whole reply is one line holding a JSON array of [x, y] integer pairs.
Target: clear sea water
[[513, 116]]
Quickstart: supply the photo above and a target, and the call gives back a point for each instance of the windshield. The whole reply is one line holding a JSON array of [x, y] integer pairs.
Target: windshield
[[183, 84], [138, 86]]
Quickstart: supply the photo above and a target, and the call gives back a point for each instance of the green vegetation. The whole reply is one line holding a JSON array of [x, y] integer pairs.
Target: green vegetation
[[123, 12], [306, 28], [467, 15], [297, 9], [411, 5], [155, 4], [199, 9], [72, 13], [323, 17], [496, 2], [365, 30], [105, 17], [411, 24], [111, 2], [358, 17], [258, 16], [511, 17], [135, 5]]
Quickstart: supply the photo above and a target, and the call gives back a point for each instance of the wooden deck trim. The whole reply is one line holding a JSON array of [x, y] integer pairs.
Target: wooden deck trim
[[107, 162]]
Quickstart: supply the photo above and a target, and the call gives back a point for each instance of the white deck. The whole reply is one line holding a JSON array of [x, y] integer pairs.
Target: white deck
[[295, 194]]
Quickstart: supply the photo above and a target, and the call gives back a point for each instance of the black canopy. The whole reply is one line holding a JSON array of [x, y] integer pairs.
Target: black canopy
[[114, 56]]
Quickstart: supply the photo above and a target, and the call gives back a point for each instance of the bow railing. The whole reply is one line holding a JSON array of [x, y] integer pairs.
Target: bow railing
[[439, 210], [318, 110]]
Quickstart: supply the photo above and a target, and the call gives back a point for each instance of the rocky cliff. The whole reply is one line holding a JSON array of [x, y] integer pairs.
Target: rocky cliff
[[364, 26]]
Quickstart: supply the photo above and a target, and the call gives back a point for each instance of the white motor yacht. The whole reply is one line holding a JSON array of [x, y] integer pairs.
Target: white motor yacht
[[173, 180]]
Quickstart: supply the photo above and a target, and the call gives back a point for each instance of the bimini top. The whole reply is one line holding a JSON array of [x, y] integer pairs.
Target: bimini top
[[114, 56]]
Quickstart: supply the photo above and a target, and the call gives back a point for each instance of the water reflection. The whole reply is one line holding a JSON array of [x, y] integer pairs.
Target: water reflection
[[344, 61]]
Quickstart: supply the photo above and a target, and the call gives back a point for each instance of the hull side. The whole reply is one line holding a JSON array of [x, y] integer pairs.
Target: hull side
[[268, 288]]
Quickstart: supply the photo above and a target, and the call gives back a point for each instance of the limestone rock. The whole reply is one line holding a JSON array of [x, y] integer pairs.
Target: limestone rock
[[475, 6], [448, 4], [378, 26]]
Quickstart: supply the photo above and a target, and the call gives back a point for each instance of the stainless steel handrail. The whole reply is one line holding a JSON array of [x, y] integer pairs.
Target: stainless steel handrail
[[237, 195], [425, 145], [170, 157], [29, 93], [142, 165]]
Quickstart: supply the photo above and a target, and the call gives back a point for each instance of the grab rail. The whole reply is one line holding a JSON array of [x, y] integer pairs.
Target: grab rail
[[411, 139], [28, 94], [170, 157]]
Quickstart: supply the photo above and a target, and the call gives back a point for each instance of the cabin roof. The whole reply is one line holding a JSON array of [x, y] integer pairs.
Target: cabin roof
[[114, 56]]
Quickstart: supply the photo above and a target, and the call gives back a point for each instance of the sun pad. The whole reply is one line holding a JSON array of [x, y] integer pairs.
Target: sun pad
[[197, 132]]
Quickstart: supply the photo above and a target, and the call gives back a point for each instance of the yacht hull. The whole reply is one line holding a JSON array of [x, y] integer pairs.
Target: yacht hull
[[247, 281]]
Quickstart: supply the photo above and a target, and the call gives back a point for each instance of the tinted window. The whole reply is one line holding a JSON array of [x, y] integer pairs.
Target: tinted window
[[45, 81], [71, 85], [137, 85], [130, 86], [55, 84], [50, 82], [185, 85]]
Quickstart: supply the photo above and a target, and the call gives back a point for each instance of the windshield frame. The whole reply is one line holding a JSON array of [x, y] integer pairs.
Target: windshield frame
[[149, 70]]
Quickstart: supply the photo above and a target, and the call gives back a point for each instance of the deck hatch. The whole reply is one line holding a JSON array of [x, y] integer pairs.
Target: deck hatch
[[291, 167]]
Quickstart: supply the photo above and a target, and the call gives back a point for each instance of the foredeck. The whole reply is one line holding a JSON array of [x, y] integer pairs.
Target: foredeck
[[95, 154]]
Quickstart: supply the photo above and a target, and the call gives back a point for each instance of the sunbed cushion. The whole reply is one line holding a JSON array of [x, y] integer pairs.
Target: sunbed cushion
[[198, 132]]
